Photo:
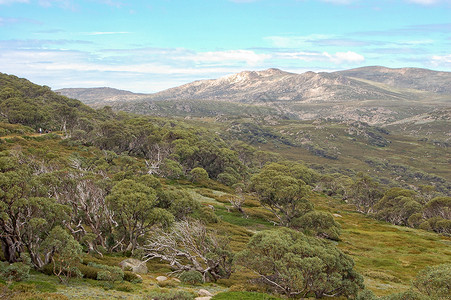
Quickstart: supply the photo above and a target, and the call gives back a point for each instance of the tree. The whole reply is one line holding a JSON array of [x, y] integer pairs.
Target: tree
[[438, 207], [319, 224], [189, 246], [282, 194], [135, 211], [68, 253], [296, 265], [396, 206], [435, 281], [198, 174], [238, 199], [365, 192]]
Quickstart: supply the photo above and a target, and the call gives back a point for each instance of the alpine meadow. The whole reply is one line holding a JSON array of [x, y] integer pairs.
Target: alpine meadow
[[225, 149]]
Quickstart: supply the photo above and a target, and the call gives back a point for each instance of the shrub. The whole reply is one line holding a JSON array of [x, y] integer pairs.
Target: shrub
[[191, 277], [124, 287], [108, 273], [409, 295], [198, 174], [435, 281], [14, 272], [170, 295], [243, 296], [132, 277], [294, 264], [88, 271]]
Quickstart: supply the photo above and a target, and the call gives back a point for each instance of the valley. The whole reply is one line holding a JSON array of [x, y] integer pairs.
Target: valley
[[346, 170]]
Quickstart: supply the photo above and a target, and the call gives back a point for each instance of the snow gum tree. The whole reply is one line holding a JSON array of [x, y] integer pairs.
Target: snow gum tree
[[294, 264]]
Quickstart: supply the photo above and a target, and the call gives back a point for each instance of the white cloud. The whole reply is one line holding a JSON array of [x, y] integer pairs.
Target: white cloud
[[343, 2], [249, 57], [107, 32], [295, 41], [344, 57], [66, 4], [2, 2], [441, 60], [429, 2], [348, 57]]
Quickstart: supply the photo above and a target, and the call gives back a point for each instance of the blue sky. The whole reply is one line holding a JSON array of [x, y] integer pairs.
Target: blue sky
[[148, 46]]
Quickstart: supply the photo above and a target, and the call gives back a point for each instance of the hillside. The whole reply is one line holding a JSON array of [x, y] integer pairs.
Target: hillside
[[411, 78], [358, 95], [369, 206], [99, 95]]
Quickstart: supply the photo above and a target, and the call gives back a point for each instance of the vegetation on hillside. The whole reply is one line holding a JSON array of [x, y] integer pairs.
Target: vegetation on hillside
[[196, 200]]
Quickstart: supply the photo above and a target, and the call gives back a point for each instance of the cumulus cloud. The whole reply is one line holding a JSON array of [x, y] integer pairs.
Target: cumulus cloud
[[441, 60]]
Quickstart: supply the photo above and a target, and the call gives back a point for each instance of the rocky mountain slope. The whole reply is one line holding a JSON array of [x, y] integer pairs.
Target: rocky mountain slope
[[411, 78], [99, 95], [375, 95], [277, 85]]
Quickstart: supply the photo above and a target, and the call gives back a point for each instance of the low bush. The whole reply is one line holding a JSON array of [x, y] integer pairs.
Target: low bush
[[14, 272], [108, 273], [170, 295], [243, 296], [124, 287], [88, 271], [191, 277], [132, 277]]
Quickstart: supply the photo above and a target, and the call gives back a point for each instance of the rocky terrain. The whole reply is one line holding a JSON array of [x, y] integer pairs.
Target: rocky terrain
[[375, 95]]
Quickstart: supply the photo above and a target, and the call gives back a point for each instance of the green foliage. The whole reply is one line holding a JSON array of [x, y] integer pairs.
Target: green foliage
[[88, 271], [14, 272], [243, 296], [283, 194], [171, 169], [68, 253], [365, 192], [435, 281], [108, 273], [179, 202], [397, 205], [198, 174], [294, 264], [438, 207], [366, 295], [135, 208], [319, 224], [408, 295], [132, 277], [170, 295], [191, 277]]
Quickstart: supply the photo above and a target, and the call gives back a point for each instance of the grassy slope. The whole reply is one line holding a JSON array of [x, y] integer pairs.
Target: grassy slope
[[388, 256]]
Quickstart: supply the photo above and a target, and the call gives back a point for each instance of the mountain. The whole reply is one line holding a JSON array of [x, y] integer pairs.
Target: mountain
[[276, 85], [375, 95], [411, 78], [99, 95]]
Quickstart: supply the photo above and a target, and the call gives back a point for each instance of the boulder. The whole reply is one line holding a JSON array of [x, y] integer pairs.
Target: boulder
[[161, 278], [204, 293], [134, 265], [202, 298]]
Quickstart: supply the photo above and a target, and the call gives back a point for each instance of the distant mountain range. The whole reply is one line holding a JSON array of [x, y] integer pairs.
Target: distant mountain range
[[376, 95]]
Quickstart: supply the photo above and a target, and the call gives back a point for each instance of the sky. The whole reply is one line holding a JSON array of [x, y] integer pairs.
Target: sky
[[148, 46]]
